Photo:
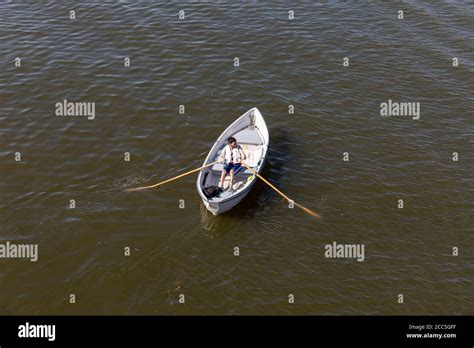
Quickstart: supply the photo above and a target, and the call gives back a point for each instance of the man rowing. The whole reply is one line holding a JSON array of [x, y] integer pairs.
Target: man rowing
[[232, 156]]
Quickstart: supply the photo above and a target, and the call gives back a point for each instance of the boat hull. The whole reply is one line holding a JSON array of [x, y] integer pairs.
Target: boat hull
[[222, 207]]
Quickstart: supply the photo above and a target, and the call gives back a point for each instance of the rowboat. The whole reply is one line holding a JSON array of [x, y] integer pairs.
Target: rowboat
[[251, 133]]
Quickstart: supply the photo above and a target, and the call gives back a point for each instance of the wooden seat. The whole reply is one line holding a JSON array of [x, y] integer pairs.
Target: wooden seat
[[218, 167]]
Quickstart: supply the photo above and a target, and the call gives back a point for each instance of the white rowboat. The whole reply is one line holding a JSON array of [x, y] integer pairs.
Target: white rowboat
[[251, 133]]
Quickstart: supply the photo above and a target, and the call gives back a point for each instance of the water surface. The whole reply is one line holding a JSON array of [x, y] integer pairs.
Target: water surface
[[283, 62]]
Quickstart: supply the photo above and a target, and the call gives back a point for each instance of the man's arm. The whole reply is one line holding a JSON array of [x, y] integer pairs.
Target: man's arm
[[242, 153], [222, 155]]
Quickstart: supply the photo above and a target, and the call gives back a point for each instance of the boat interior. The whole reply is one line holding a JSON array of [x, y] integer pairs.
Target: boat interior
[[252, 143]]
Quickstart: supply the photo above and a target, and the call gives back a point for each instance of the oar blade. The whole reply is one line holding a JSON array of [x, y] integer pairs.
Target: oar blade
[[309, 211], [139, 188]]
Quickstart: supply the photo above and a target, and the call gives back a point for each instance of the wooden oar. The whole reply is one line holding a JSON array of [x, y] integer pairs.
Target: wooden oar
[[168, 180], [307, 210]]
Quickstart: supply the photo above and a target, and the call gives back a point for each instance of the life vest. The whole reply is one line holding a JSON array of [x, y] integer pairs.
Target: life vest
[[232, 155]]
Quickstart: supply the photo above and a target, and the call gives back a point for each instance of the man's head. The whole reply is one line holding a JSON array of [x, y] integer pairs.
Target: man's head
[[232, 142]]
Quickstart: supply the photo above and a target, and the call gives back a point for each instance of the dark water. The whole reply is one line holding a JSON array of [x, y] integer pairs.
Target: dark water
[[283, 62]]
